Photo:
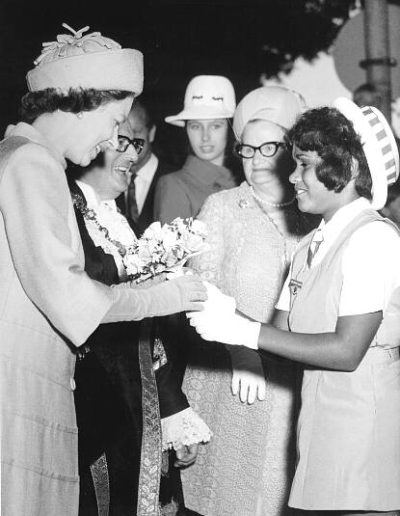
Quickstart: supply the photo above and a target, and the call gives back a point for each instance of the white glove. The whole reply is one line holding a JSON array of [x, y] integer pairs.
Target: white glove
[[247, 375], [217, 302], [226, 328]]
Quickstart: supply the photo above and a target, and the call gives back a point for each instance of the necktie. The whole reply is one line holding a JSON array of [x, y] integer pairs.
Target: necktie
[[317, 240], [133, 211]]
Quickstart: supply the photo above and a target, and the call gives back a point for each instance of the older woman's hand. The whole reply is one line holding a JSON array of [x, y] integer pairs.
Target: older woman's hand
[[186, 455], [248, 380]]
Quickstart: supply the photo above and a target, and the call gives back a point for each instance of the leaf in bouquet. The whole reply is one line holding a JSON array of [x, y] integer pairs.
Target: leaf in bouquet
[[177, 265], [205, 248], [199, 227], [158, 268], [170, 259], [142, 277]]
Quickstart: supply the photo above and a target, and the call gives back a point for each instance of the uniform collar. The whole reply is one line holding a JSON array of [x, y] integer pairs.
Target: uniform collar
[[342, 218]]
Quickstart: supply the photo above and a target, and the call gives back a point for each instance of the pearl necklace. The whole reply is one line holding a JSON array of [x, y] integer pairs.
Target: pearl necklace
[[284, 236], [272, 204]]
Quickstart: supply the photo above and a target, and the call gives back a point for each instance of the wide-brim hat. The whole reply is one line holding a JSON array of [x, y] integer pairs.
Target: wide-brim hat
[[90, 61], [272, 103], [207, 97], [379, 146]]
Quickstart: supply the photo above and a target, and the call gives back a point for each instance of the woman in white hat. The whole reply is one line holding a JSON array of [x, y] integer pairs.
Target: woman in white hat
[[209, 104], [49, 305], [339, 315], [248, 401]]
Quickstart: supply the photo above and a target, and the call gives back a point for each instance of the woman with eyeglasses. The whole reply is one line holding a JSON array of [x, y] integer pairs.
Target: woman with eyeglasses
[[49, 304], [248, 401], [122, 366]]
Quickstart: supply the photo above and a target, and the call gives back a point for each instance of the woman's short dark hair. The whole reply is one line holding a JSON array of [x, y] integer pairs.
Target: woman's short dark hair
[[393, 192], [332, 136], [36, 103]]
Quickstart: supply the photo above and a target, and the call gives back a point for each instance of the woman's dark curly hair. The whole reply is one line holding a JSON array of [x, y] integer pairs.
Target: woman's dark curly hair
[[36, 103], [329, 133]]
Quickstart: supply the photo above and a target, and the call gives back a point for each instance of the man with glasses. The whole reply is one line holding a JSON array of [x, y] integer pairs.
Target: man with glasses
[[114, 414], [137, 202]]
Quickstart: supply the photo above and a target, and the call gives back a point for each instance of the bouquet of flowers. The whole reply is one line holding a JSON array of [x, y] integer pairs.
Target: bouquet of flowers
[[165, 248]]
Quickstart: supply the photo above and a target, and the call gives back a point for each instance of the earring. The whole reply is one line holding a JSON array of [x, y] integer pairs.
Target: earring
[[80, 115]]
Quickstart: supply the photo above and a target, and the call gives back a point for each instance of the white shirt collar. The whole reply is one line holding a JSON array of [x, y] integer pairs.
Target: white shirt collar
[[143, 179], [92, 199], [146, 173], [332, 229], [342, 217]]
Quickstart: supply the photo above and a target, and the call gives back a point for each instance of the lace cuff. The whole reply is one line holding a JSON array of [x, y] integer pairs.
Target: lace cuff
[[183, 429]]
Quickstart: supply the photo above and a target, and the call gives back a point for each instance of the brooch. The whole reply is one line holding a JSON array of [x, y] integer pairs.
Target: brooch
[[294, 286], [243, 203]]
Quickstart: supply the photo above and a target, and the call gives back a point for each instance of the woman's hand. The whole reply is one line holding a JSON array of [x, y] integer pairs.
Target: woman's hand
[[187, 291], [248, 378]]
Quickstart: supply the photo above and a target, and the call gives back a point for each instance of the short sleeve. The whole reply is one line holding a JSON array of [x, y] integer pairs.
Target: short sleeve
[[371, 269]]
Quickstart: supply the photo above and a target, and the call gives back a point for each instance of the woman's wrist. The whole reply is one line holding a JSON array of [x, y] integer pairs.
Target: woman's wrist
[[252, 334]]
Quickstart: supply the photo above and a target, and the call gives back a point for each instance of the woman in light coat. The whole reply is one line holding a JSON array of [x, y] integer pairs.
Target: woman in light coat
[[48, 304]]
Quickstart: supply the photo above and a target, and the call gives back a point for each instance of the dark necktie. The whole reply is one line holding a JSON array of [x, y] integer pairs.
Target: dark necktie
[[314, 246], [133, 211]]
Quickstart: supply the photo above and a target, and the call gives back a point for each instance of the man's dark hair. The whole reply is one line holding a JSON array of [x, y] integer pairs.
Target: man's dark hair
[[332, 136], [36, 103], [143, 105]]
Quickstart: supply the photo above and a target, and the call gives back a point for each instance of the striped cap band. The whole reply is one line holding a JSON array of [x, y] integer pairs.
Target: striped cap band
[[385, 142], [379, 146]]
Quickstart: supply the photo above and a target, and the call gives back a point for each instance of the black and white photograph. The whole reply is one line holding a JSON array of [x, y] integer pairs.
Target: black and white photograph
[[200, 258]]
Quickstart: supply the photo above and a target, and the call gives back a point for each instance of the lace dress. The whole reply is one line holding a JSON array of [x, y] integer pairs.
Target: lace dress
[[246, 469]]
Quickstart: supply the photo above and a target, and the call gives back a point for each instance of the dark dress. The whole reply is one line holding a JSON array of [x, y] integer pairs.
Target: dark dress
[[118, 410]]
